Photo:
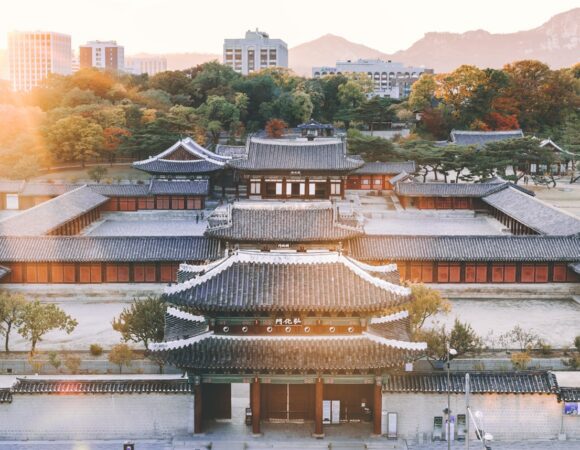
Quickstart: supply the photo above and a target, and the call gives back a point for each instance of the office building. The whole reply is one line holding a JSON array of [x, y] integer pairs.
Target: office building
[[255, 52], [102, 55]]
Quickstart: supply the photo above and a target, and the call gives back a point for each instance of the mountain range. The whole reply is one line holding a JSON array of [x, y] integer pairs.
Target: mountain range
[[556, 42]]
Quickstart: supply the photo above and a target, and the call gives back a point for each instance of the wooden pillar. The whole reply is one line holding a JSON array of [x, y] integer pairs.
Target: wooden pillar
[[378, 406], [255, 405], [197, 407], [318, 431]]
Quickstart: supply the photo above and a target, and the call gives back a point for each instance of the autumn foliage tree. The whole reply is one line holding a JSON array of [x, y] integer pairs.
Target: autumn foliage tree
[[275, 128]]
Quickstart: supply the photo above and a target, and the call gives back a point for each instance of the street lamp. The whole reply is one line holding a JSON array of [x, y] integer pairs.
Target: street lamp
[[450, 352]]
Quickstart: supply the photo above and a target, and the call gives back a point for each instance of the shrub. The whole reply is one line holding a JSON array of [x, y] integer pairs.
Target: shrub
[[96, 350], [121, 355], [72, 363], [521, 360], [54, 360], [577, 342]]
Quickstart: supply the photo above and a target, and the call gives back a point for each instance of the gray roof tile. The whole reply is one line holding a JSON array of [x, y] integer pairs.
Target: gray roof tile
[[103, 249], [533, 213], [446, 189], [47, 216], [272, 154], [479, 138], [466, 248], [66, 386], [372, 168]]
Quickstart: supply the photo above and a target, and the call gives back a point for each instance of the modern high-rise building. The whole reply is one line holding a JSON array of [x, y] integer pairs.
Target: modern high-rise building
[[255, 52], [391, 79], [33, 55], [102, 55], [151, 65]]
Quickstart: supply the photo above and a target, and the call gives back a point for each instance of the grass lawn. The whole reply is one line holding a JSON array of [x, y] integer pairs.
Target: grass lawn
[[113, 174]]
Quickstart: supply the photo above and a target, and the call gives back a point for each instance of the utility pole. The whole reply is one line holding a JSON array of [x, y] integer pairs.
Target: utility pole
[[467, 388]]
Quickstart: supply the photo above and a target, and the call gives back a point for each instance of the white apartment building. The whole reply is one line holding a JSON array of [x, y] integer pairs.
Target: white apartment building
[[33, 55], [391, 79], [151, 65], [102, 55], [255, 52]]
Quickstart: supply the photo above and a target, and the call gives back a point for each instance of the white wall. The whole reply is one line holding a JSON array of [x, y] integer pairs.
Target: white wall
[[505, 416], [96, 416]]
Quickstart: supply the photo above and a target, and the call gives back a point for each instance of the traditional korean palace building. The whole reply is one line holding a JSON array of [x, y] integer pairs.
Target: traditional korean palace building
[[300, 327]]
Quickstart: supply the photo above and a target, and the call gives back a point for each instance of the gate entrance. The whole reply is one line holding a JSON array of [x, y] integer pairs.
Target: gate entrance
[[216, 401], [287, 402]]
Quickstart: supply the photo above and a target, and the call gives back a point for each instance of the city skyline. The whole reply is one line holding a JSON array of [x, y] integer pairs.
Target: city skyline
[[173, 36]]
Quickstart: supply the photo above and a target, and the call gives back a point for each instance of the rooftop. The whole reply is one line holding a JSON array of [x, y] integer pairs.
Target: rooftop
[[46, 217], [463, 137], [282, 222], [533, 213], [252, 281], [371, 168], [296, 155]]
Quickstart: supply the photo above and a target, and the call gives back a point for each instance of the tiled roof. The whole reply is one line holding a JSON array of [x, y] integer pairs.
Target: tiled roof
[[446, 189], [121, 190], [47, 216], [321, 155], [179, 187], [570, 394], [251, 281], [205, 161], [480, 383], [233, 151], [304, 353], [107, 248], [154, 187], [533, 213], [164, 166], [52, 386], [466, 248], [478, 138], [5, 396], [302, 222], [372, 168], [179, 326]]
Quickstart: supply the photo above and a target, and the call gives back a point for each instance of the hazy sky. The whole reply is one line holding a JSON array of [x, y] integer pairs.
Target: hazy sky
[[164, 26]]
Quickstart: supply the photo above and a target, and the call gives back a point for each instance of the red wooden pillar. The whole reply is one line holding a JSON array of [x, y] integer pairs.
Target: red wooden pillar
[[197, 408], [318, 431], [378, 406], [255, 405]]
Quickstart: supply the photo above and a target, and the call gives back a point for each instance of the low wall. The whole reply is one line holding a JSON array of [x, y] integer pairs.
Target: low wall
[[509, 290], [505, 416], [96, 416]]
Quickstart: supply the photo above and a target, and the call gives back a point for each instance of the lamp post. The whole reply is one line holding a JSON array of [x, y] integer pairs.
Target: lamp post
[[450, 352]]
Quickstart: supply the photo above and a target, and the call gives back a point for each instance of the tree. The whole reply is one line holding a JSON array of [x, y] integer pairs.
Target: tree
[[275, 128], [75, 138], [11, 309], [422, 92], [371, 148], [113, 138], [39, 318], [525, 339], [375, 111], [217, 113], [97, 173], [143, 321], [462, 338], [121, 355], [456, 89], [351, 95], [426, 303]]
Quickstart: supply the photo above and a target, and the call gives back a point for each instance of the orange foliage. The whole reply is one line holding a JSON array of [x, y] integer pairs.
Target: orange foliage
[[275, 128]]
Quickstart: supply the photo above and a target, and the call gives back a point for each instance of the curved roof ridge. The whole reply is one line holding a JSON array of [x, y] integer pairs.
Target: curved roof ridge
[[178, 313], [180, 343], [406, 345], [390, 317]]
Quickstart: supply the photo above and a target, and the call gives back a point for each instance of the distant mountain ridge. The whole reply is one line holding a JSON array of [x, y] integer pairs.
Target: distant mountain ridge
[[556, 42]]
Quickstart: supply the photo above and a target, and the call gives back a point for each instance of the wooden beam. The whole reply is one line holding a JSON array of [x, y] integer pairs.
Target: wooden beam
[[378, 406], [255, 405], [197, 420], [318, 431]]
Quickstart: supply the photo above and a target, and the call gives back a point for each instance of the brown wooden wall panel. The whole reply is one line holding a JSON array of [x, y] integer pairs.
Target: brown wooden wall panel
[[560, 272], [301, 401]]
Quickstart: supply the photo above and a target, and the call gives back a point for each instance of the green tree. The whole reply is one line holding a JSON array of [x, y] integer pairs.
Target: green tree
[[121, 355], [427, 156], [218, 114], [142, 321], [371, 148], [97, 173], [351, 95], [375, 111], [75, 138], [422, 92], [461, 338], [39, 318], [11, 309], [426, 303]]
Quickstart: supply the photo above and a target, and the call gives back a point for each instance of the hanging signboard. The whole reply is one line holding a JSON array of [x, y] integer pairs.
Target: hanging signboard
[[572, 408]]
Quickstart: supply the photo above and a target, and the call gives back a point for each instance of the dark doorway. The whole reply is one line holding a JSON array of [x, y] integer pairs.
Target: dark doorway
[[216, 401], [356, 400]]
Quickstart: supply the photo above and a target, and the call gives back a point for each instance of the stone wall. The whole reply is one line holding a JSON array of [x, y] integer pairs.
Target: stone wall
[[505, 416], [96, 416]]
